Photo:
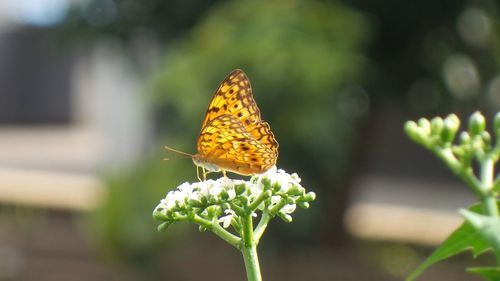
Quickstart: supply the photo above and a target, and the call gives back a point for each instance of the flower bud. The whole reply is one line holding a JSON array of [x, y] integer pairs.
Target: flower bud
[[160, 216], [213, 211], [310, 196], [239, 188], [477, 123], [267, 183], [415, 132], [296, 190], [276, 186], [496, 124], [425, 125], [477, 144], [163, 226], [304, 205], [284, 216], [464, 138], [486, 138], [437, 125], [453, 121], [450, 128]]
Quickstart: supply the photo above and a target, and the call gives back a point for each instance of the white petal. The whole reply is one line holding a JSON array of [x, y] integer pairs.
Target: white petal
[[215, 190], [231, 194], [225, 220], [275, 200], [185, 187], [290, 208], [194, 196]]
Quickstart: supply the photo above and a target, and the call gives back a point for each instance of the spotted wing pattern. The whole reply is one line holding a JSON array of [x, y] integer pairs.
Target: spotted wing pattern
[[233, 97], [233, 136]]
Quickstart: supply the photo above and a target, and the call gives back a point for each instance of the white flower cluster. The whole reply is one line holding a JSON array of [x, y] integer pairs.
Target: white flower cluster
[[223, 199]]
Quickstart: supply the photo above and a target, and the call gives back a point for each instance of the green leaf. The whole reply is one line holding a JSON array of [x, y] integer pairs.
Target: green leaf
[[489, 273], [488, 227], [466, 237]]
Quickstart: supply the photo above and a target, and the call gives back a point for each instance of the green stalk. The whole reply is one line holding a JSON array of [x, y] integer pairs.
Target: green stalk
[[249, 250], [465, 173], [225, 235], [261, 227], [215, 227], [487, 177], [489, 198], [251, 263]]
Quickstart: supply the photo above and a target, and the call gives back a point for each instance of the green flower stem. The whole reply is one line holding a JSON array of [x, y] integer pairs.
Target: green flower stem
[[466, 174], [249, 250], [251, 263], [487, 167], [261, 227], [490, 203], [215, 227], [495, 152], [247, 224], [489, 198], [201, 221], [263, 196], [236, 208], [277, 207], [225, 235]]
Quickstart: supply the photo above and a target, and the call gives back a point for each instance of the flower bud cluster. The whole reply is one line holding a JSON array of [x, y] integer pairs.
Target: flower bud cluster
[[439, 133], [224, 200]]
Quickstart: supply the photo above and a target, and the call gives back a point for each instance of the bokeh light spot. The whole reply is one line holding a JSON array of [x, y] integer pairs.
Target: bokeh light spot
[[475, 26], [461, 76], [353, 102]]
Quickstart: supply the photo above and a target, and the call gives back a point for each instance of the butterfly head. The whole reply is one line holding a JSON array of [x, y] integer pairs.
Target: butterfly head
[[201, 162]]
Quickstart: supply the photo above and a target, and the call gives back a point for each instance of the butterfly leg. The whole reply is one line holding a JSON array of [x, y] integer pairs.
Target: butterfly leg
[[198, 173], [224, 173], [204, 173]]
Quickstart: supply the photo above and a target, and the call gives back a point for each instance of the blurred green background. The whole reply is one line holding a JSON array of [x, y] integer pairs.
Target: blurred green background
[[93, 89]]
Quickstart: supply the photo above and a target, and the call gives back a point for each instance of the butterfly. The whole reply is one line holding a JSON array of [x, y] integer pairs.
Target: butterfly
[[233, 136]]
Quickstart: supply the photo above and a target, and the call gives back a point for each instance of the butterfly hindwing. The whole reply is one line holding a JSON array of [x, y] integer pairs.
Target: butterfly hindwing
[[226, 142]]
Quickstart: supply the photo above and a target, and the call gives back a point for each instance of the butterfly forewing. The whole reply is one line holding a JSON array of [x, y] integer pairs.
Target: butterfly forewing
[[233, 97]]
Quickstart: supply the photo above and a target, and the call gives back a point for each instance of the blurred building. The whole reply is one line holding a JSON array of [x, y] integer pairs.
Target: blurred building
[[67, 114]]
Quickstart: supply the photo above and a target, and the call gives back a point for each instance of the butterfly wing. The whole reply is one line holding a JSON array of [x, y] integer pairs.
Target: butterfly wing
[[261, 131], [233, 97], [233, 136], [224, 141]]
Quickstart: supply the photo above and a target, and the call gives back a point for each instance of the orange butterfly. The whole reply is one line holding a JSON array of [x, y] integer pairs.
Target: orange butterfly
[[233, 136]]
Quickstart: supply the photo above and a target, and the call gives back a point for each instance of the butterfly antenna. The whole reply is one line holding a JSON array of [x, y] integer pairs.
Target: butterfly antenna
[[177, 151]]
